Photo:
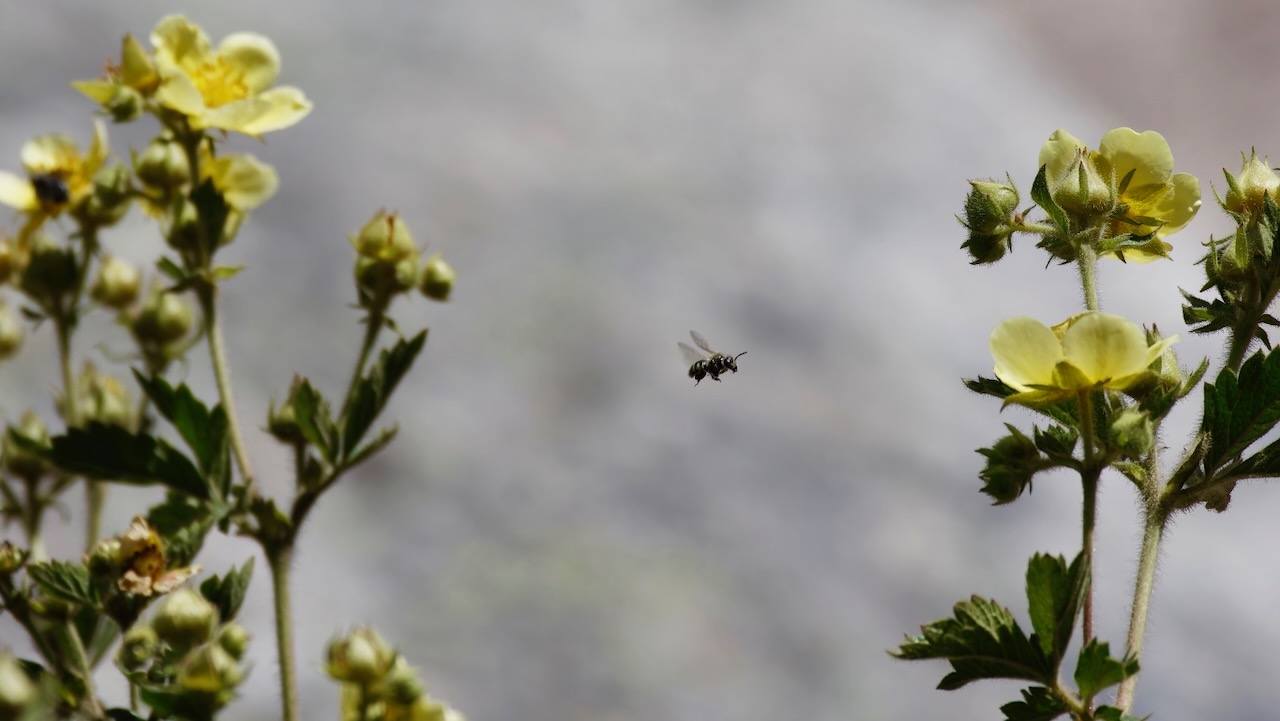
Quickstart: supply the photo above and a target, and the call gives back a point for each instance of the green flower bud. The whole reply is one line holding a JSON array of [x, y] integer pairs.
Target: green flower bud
[[1132, 433], [110, 199], [183, 231], [50, 272], [163, 319], [19, 461], [185, 619], [401, 685], [1246, 192], [1083, 192], [11, 558], [210, 669], [362, 657], [381, 280], [437, 279], [1011, 463], [117, 284], [234, 639], [282, 422], [163, 166], [385, 237], [991, 215], [17, 692], [125, 104], [104, 560], [100, 398], [138, 648], [11, 332]]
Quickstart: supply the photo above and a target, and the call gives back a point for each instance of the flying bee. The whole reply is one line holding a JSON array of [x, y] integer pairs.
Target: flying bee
[[51, 189], [707, 362]]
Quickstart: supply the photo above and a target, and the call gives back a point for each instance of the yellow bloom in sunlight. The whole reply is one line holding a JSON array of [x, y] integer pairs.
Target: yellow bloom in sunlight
[[57, 175], [244, 181], [1087, 351], [229, 88], [1151, 197]]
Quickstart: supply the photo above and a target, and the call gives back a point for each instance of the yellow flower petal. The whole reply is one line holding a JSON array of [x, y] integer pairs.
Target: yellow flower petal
[[1179, 207], [17, 192], [253, 55], [1146, 154], [180, 41], [1105, 346], [1026, 352], [275, 109], [1059, 153], [243, 180]]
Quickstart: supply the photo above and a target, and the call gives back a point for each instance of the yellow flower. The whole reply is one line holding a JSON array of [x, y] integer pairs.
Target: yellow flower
[[58, 176], [1087, 351], [244, 181], [1139, 166], [229, 88]]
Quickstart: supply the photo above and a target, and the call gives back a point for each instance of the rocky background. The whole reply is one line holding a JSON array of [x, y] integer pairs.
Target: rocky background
[[567, 529]]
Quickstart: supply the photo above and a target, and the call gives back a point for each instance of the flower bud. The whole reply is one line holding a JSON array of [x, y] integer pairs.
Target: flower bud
[[11, 332], [110, 198], [50, 272], [100, 398], [382, 280], [124, 105], [138, 647], [362, 657], [163, 166], [282, 422], [437, 279], [117, 283], [234, 639], [385, 237], [1246, 191], [1132, 433], [183, 230], [401, 685], [17, 692], [18, 460], [1011, 463], [1082, 191], [11, 260], [11, 558], [104, 560], [185, 619], [164, 318], [210, 669]]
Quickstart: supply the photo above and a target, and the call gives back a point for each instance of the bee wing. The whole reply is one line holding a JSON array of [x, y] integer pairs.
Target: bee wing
[[701, 342], [691, 356]]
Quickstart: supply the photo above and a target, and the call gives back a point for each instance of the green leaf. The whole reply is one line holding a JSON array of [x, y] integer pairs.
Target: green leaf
[[1111, 713], [980, 641], [225, 272], [315, 420], [183, 522], [1096, 670], [172, 270], [1040, 194], [228, 593], [375, 389], [63, 581], [1037, 704], [1054, 594], [1057, 442], [204, 430], [1240, 410], [380, 441], [111, 453]]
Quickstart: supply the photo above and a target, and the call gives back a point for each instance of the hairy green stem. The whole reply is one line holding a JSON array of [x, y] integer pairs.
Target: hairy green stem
[[1152, 533], [222, 377], [279, 557], [1089, 511], [372, 327], [81, 660], [1088, 264]]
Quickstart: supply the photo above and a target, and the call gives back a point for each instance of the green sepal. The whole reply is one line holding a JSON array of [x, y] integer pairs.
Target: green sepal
[[981, 640], [315, 420], [1040, 194], [1054, 594], [1097, 670]]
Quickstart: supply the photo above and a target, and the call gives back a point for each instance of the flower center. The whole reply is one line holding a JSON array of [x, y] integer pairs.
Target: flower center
[[220, 83]]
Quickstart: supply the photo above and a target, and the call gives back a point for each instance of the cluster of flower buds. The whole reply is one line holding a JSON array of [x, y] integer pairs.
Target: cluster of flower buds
[[388, 687], [388, 263]]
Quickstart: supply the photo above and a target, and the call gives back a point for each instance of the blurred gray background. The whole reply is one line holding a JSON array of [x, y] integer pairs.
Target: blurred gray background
[[567, 529]]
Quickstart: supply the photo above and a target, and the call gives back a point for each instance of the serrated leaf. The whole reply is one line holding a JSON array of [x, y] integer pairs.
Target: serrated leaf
[[204, 430], [1037, 704], [1040, 194], [111, 453], [1239, 410], [980, 641], [1054, 594], [380, 441], [315, 420], [227, 594], [63, 581], [1096, 670], [183, 522], [1057, 442], [375, 389]]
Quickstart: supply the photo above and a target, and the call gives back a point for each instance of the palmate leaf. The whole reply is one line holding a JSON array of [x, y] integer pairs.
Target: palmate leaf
[[981, 640], [63, 581], [1239, 410], [111, 453], [1054, 594], [375, 389], [227, 593], [205, 431], [1037, 704], [1096, 670]]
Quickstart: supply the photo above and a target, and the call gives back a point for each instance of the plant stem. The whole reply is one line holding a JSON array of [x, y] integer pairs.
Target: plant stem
[[1088, 263], [222, 376], [95, 494], [83, 669], [1152, 532], [372, 327], [279, 557], [1089, 511]]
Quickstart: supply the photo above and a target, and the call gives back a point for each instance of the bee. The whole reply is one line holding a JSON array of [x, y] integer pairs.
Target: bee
[[708, 362], [51, 189]]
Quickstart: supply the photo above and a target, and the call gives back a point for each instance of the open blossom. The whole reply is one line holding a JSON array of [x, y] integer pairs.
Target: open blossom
[[230, 87], [57, 176], [145, 570], [1087, 351], [1155, 199]]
